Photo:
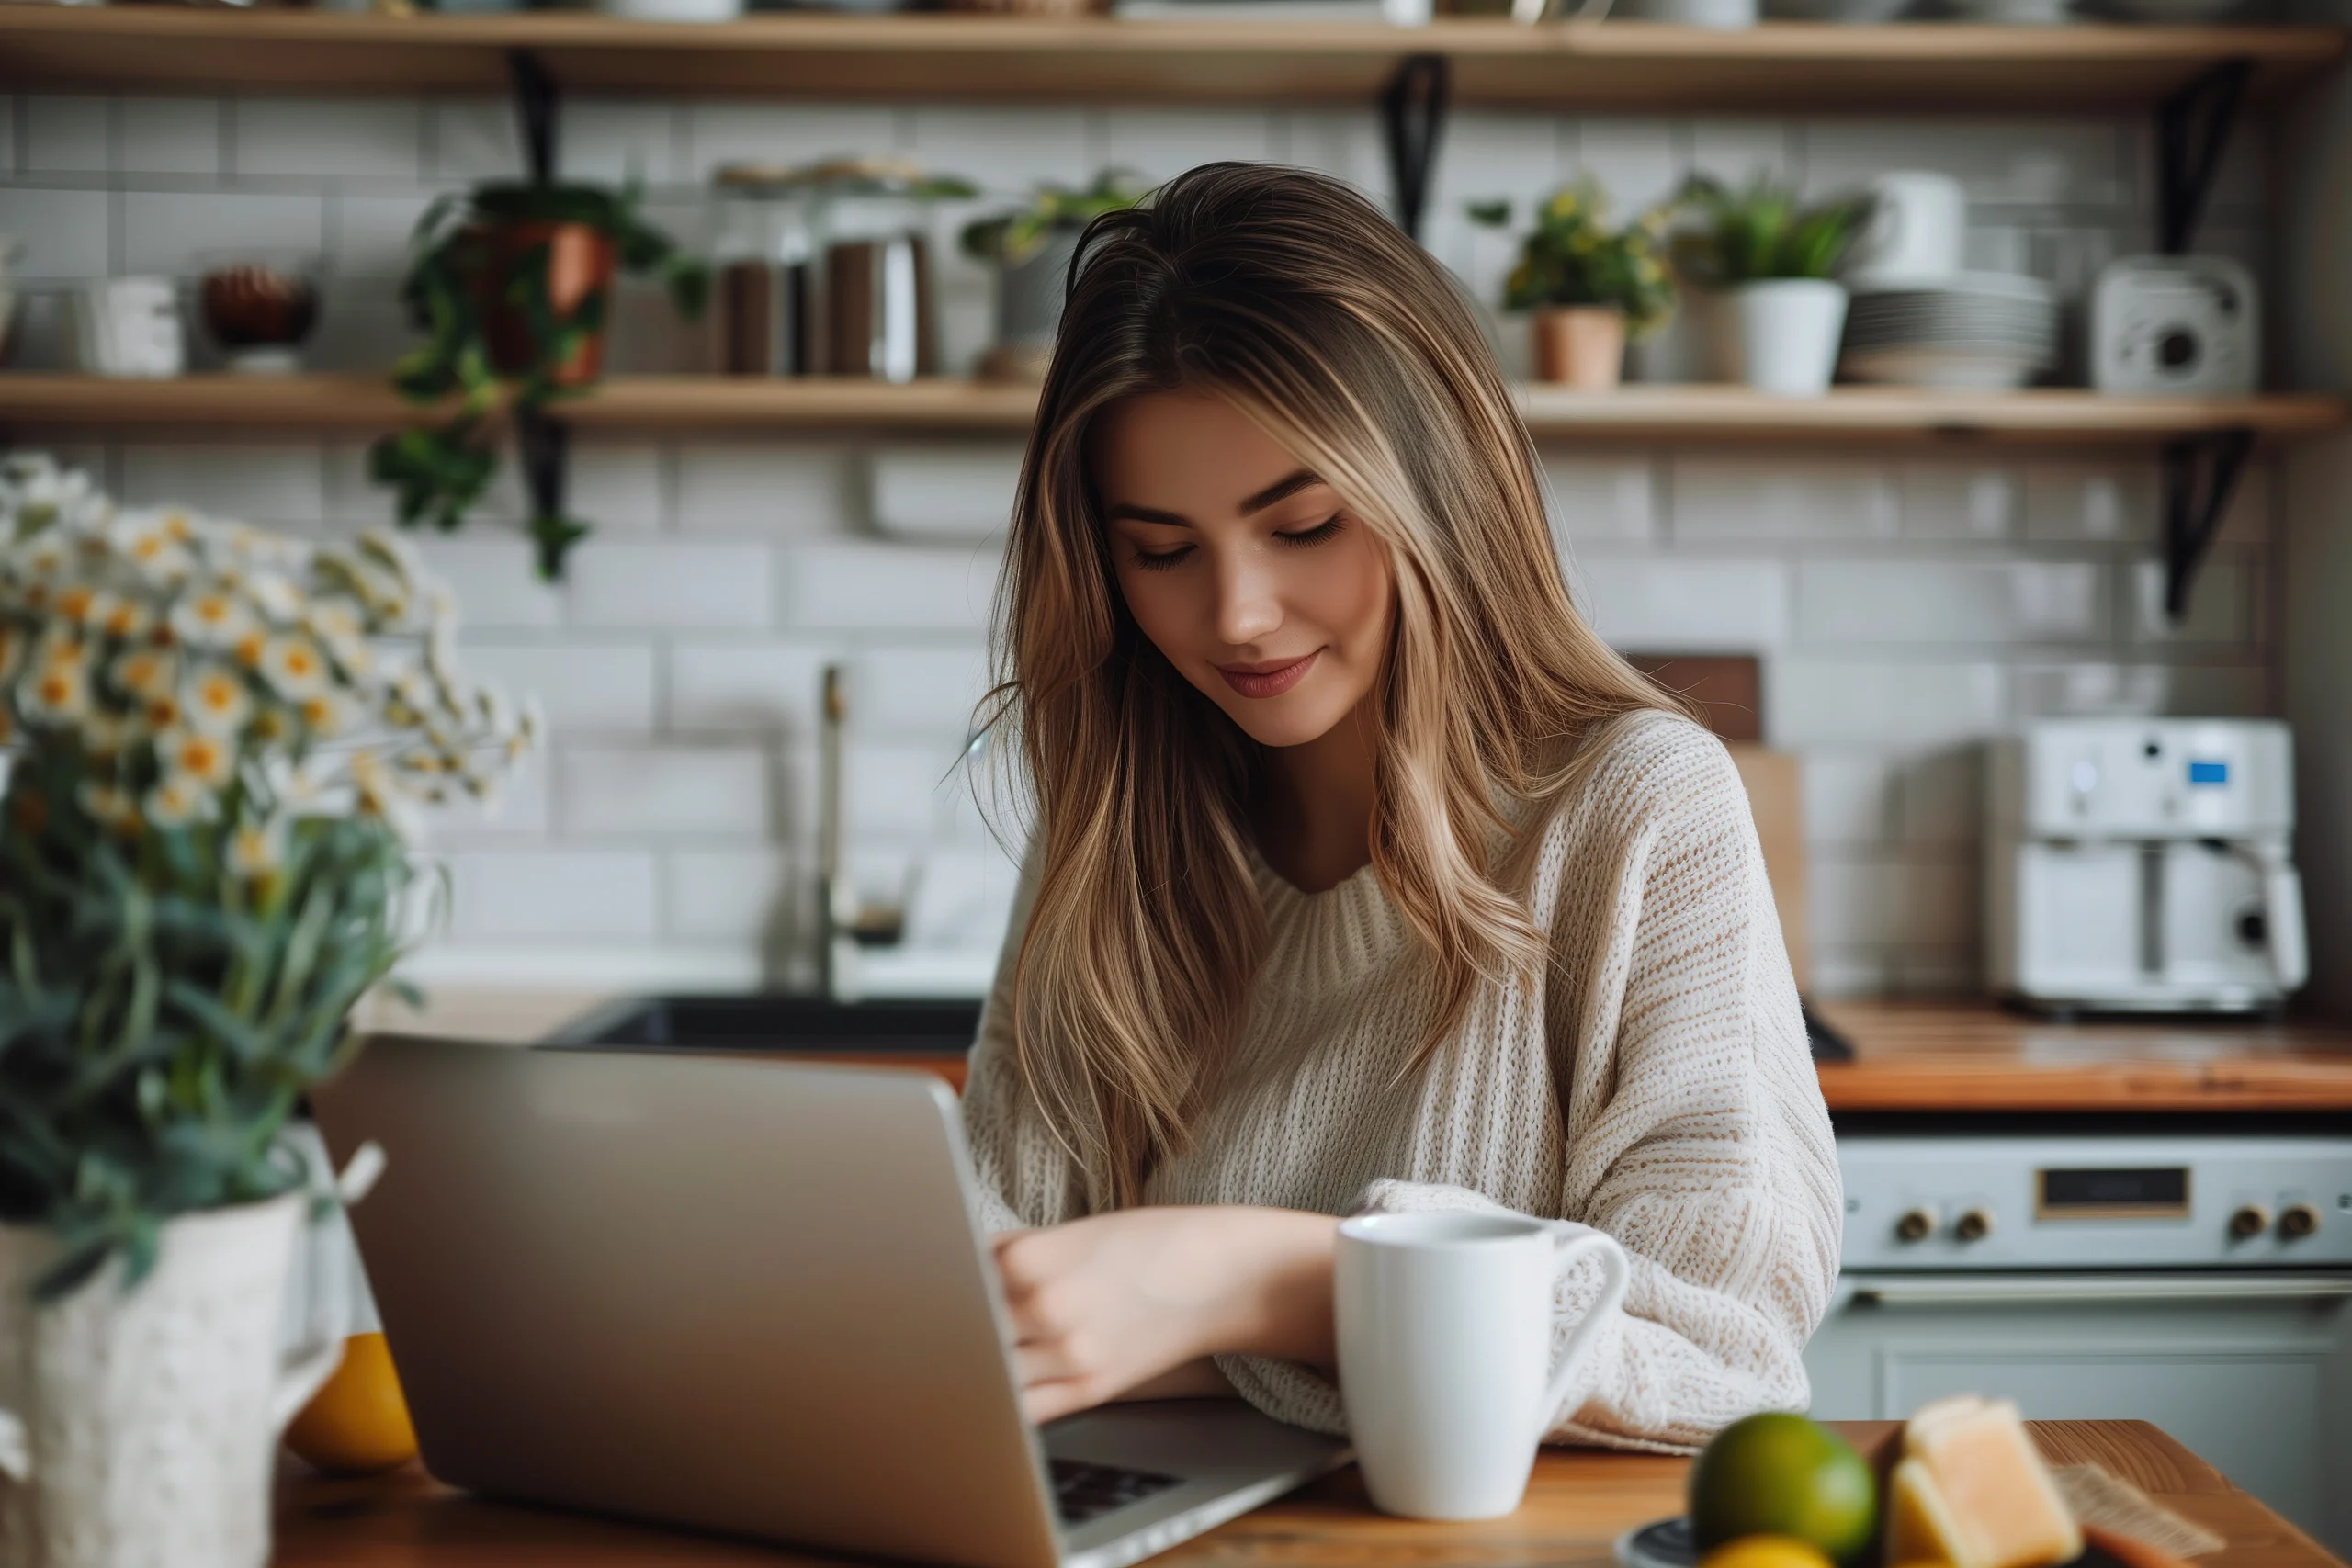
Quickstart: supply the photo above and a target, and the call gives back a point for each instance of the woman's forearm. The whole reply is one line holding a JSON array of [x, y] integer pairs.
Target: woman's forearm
[[1282, 1259]]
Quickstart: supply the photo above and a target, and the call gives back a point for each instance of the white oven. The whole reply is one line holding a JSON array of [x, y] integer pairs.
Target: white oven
[[2201, 1280]]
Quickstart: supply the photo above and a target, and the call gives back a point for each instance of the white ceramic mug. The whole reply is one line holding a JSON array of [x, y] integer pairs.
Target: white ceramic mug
[[1445, 1348], [1917, 230], [129, 326]]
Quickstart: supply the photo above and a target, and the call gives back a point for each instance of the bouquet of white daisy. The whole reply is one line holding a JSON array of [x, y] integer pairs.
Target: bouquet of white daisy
[[218, 743]]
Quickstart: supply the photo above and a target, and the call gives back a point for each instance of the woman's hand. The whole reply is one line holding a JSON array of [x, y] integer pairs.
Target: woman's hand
[[1103, 1304]]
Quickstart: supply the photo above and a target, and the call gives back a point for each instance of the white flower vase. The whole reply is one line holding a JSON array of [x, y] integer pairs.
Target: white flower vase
[[1781, 336], [139, 1428]]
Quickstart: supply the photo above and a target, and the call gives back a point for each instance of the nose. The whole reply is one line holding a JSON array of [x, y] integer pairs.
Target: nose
[[1247, 605]]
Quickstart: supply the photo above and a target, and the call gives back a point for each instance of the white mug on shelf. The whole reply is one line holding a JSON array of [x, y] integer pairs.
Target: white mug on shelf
[[129, 326], [1917, 230], [1444, 1328]]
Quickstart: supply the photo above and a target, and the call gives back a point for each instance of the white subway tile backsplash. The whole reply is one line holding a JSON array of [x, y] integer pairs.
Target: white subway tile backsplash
[[1633, 159], [1817, 700], [496, 580], [900, 790], [165, 232], [700, 791], [584, 688], [1961, 500], [169, 135], [474, 138], [1739, 150], [519, 811], [1850, 798], [2104, 690], [550, 895], [619, 140], [618, 484], [2070, 500], [1343, 143], [945, 490], [1494, 154], [1003, 150], [67, 234], [722, 132], [788, 487], [887, 587], [926, 690], [329, 137], [1159, 144], [373, 238], [748, 686], [2009, 163], [1597, 500], [275, 483], [617, 583], [731, 896], [2222, 600], [1943, 794], [1660, 604], [1950, 601], [1752, 498], [68, 135]]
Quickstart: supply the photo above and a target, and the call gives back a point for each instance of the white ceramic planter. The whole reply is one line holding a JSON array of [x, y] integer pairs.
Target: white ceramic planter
[[139, 1428], [1782, 336]]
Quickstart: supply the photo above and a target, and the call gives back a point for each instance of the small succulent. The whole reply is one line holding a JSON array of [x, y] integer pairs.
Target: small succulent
[[1761, 233]]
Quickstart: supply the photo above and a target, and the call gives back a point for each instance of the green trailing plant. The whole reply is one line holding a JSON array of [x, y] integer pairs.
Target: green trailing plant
[[218, 745], [1762, 234], [1573, 256], [1011, 238], [440, 471]]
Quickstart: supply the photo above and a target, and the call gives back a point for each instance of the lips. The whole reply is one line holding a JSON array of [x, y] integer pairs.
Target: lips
[[1268, 680]]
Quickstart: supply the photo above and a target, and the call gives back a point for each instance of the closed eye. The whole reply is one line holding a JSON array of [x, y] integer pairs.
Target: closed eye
[[1328, 529], [1160, 561]]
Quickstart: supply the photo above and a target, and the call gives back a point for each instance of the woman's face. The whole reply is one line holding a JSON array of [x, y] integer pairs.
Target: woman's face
[[1241, 566]]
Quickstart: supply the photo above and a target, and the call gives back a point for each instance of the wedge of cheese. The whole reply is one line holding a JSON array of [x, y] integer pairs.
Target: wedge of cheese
[[1972, 1491]]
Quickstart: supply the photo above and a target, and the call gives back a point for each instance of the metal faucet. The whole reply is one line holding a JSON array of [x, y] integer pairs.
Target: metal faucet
[[844, 921]]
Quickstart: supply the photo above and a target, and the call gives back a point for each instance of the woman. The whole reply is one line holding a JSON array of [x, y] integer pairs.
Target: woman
[[1364, 876]]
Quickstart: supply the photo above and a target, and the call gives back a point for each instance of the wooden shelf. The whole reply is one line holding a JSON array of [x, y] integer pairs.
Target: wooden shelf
[[1778, 66], [1674, 414]]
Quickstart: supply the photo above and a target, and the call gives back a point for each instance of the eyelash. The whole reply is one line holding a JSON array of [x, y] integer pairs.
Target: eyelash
[[1168, 560]]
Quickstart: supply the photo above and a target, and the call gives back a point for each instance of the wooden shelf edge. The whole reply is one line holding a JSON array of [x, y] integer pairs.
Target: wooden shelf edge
[[1677, 413]]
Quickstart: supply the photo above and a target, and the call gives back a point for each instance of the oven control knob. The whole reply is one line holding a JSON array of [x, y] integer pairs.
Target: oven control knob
[[2250, 1220], [2298, 1221], [1917, 1225], [1973, 1224]]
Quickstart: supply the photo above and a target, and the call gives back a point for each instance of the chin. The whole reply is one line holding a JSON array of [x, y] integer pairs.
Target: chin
[[1292, 719]]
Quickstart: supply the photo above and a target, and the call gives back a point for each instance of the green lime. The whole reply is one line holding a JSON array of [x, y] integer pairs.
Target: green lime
[[1780, 1474]]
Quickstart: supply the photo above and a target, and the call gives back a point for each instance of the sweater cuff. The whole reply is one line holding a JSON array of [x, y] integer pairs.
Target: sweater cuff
[[1576, 1287]]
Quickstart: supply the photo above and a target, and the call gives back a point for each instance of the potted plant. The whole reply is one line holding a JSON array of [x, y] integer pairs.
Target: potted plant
[[511, 285], [217, 742], [1591, 286], [1774, 263], [1031, 248]]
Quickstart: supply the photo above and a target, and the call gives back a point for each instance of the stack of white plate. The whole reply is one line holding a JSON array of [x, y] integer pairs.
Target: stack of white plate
[[1970, 330]]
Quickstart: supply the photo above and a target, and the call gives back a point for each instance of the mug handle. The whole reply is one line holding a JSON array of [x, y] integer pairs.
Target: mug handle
[[16, 1448], [326, 1295], [1615, 1277]]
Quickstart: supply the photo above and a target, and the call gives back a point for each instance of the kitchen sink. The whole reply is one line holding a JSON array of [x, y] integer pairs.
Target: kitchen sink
[[778, 1022]]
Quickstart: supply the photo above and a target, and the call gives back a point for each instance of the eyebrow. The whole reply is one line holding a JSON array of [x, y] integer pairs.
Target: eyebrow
[[1281, 490]]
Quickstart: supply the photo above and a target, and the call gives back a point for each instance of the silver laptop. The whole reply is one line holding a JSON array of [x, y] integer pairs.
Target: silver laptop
[[745, 1296]]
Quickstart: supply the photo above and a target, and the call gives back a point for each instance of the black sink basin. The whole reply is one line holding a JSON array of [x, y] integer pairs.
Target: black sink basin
[[778, 1022]]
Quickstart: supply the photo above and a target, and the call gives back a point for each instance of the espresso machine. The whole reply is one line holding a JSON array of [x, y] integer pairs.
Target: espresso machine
[[2143, 865]]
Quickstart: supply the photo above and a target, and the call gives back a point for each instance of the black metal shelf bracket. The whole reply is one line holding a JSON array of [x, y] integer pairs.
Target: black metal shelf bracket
[[536, 101], [542, 442], [1412, 116], [2200, 473], [2193, 129]]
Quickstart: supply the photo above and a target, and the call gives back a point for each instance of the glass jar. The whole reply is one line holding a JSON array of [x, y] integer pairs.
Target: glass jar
[[877, 286], [766, 292]]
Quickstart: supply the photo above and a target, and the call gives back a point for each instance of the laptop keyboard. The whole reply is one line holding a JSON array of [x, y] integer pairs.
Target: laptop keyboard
[[1084, 1492]]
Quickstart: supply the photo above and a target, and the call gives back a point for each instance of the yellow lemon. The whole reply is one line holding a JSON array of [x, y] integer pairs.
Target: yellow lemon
[[357, 1423], [1765, 1551], [1778, 1475]]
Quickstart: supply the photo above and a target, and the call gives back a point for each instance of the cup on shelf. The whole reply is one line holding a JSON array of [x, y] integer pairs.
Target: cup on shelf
[[1917, 229], [128, 327]]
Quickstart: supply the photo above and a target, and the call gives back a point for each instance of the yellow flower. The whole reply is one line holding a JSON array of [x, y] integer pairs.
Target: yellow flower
[[109, 805], [294, 665], [74, 603], [328, 714], [152, 547], [145, 672], [57, 692], [214, 618], [177, 801], [106, 735], [215, 700], [257, 849], [272, 726], [12, 650], [124, 620], [206, 760]]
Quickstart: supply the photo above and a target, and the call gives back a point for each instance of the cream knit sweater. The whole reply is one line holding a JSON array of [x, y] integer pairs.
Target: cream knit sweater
[[1655, 1083]]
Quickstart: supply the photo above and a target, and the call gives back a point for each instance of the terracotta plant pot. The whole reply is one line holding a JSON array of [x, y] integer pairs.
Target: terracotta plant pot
[[581, 261], [1581, 345]]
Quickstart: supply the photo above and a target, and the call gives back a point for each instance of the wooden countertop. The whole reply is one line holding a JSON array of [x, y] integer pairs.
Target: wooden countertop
[[1579, 1503], [1910, 1056], [1976, 1056]]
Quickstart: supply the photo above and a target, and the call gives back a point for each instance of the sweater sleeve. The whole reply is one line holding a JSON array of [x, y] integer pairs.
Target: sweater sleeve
[[1695, 1130], [1026, 1176]]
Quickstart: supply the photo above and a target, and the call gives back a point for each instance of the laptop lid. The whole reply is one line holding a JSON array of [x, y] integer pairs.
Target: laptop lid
[[744, 1295]]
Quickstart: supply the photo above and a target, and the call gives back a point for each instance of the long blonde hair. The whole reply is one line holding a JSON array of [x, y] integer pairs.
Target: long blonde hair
[[1292, 296]]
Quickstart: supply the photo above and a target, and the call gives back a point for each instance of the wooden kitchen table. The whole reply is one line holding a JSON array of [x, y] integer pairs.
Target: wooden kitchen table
[[1577, 1505]]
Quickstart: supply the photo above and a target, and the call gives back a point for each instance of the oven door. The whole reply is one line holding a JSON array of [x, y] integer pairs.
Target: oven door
[[2251, 1371]]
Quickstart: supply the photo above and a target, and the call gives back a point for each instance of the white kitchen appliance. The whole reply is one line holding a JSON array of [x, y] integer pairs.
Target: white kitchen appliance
[[2195, 1276], [2143, 865], [2186, 325]]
